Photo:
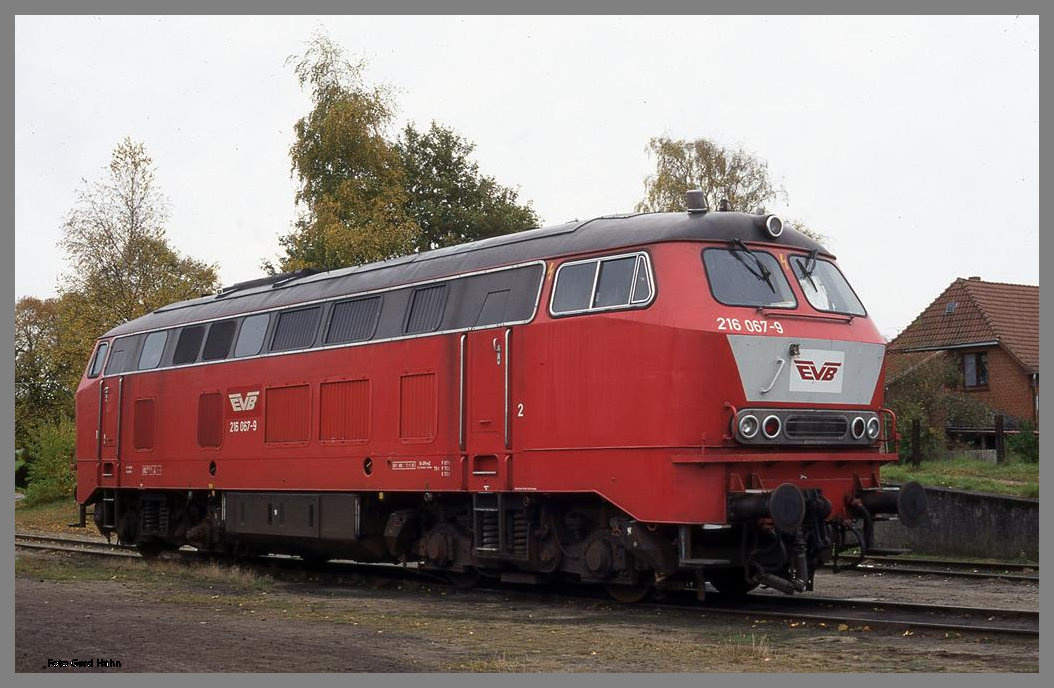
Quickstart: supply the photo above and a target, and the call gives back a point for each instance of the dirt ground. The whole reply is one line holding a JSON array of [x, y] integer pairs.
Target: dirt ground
[[169, 617]]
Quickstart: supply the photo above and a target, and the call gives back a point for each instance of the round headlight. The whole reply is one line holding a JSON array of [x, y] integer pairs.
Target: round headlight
[[748, 426], [774, 226], [858, 427], [873, 426], [771, 427]]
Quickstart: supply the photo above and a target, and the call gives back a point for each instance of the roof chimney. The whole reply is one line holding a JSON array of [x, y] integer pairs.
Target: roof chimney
[[975, 279]]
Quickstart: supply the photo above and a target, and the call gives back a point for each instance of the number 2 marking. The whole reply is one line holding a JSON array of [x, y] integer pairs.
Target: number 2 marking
[[519, 410]]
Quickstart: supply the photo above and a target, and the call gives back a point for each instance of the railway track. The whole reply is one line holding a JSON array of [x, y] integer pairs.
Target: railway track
[[949, 568], [853, 613], [858, 614], [85, 546]]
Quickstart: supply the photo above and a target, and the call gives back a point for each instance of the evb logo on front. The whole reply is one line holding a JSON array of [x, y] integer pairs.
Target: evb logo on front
[[817, 370]]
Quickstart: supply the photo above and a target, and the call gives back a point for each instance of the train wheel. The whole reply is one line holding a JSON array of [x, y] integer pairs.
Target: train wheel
[[463, 580], [731, 582], [628, 594]]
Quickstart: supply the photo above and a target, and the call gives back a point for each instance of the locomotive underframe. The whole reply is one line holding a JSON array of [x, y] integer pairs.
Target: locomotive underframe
[[516, 537]]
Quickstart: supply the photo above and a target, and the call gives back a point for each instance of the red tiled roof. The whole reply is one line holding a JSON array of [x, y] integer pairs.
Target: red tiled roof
[[984, 312]]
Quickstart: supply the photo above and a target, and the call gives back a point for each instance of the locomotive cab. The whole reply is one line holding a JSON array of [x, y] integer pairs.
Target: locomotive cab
[[806, 429]]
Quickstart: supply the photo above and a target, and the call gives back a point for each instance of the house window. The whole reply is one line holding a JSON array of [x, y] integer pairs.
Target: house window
[[975, 370]]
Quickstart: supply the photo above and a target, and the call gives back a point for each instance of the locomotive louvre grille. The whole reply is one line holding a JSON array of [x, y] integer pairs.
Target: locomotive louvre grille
[[520, 535], [816, 426], [154, 517], [354, 321]]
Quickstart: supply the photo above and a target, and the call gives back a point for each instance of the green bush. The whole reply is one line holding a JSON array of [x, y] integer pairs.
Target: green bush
[[20, 468], [932, 440], [49, 475], [1025, 443]]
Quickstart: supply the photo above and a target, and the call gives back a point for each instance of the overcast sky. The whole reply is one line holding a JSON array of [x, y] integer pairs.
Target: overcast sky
[[912, 143]]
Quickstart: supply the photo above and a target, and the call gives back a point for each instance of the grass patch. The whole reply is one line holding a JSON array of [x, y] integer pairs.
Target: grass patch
[[61, 568], [1016, 477], [500, 664], [51, 517], [753, 648], [174, 575]]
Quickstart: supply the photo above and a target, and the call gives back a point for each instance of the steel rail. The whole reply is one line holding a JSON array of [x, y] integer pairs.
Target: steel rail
[[947, 573], [858, 622], [949, 568], [955, 563], [74, 545], [853, 612], [909, 558]]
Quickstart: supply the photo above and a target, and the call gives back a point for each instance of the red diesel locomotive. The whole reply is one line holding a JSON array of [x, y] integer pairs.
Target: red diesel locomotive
[[641, 401]]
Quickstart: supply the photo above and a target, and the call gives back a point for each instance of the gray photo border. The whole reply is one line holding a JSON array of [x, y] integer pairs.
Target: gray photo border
[[7, 201]]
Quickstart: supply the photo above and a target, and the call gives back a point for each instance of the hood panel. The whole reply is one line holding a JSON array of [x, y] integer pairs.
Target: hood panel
[[825, 371]]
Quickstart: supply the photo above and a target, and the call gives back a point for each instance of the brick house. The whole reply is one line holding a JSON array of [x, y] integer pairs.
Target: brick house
[[991, 330]]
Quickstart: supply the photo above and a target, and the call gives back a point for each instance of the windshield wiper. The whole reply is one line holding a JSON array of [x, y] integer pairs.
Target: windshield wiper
[[762, 272], [808, 267]]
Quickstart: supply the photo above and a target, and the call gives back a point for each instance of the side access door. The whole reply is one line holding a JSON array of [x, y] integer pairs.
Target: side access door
[[486, 423], [111, 403]]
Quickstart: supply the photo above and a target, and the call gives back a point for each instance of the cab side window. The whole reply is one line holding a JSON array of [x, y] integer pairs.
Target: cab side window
[[574, 287], [607, 283], [121, 357], [100, 358]]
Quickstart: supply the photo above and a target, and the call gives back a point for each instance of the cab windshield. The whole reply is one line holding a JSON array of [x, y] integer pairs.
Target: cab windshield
[[742, 277], [825, 287]]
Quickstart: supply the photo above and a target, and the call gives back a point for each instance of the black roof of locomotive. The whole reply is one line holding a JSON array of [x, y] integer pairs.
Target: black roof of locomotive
[[570, 238]]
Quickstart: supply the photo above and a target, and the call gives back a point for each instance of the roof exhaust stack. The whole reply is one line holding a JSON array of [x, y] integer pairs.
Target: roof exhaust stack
[[695, 201]]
